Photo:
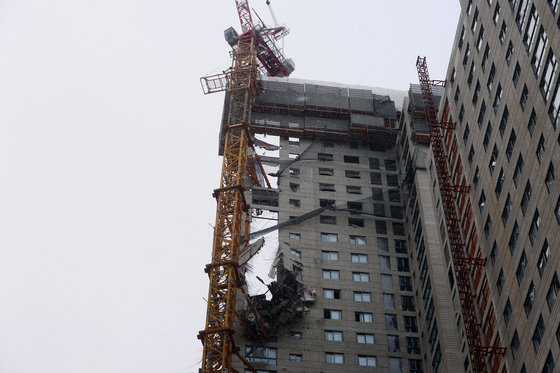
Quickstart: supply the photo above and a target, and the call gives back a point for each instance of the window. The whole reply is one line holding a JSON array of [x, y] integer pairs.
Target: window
[[503, 121], [331, 274], [491, 76], [360, 276], [363, 317], [393, 344], [386, 282], [474, 20], [543, 257], [395, 365], [357, 240], [351, 159], [334, 358], [405, 283], [466, 55], [327, 219], [507, 312], [354, 207], [415, 366], [532, 122], [520, 272], [557, 210], [482, 201], [331, 293], [494, 253], [352, 189], [511, 144], [553, 292], [410, 324], [553, 4], [513, 238], [476, 177], [412, 345], [294, 171], [471, 155], [538, 54], [521, 13], [333, 335], [548, 364], [379, 209], [514, 345], [377, 194], [295, 202], [516, 74], [479, 38], [400, 246], [352, 174], [461, 38], [329, 237], [549, 179], [407, 302], [531, 28], [390, 165], [326, 187], [485, 57], [471, 73], [392, 180], [398, 229], [332, 314], [466, 133], [295, 236], [384, 262], [326, 171], [374, 163], [469, 7], [402, 265], [518, 170], [487, 226], [500, 282], [457, 93], [548, 74], [329, 255], [296, 335], [326, 202], [497, 98], [365, 338], [367, 361], [500, 182], [391, 322], [493, 159], [529, 299], [481, 114], [507, 209], [355, 223], [540, 149], [503, 32], [389, 301], [396, 213], [509, 52], [538, 333], [526, 197], [259, 354], [476, 93], [496, 15], [554, 109], [294, 252], [361, 296], [380, 227], [324, 157], [524, 96], [298, 358], [359, 258]]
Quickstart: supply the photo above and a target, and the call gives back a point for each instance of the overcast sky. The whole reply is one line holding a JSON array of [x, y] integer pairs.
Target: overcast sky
[[108, 157]]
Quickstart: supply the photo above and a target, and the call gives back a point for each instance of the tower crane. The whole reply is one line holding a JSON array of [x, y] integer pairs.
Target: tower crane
[[240, 162]]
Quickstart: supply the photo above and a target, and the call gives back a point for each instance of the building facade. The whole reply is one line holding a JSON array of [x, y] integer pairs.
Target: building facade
[[503, 94]]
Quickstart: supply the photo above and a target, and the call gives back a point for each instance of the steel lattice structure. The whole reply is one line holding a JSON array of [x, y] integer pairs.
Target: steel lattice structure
[[461, 263], [217, 338]]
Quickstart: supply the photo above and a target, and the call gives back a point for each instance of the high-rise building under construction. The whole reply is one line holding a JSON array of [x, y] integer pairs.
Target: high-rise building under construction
[[409, 242]]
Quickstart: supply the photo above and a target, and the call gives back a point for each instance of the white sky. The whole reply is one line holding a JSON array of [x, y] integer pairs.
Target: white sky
[[108, 157]]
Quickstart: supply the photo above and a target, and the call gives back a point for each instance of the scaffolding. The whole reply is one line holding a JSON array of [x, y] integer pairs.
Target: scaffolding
[[463, 263]]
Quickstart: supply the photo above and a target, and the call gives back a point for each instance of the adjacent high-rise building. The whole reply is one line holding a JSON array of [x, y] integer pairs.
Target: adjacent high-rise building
[[366, 269]]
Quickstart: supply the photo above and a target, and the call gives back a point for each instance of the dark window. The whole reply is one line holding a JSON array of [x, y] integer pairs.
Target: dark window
[[514, 345], [326, 202], [538, 333], [351, 159], [540, 149], [374, 163], [526, 197], [513, 238], [476, 177], [471, 73], [532, 122], [354, 207], [466, 55], [507, 312], [377, 194], [481, 114], [410, 324], [554, 109], [494, 253], [476, 93], [471, 155], [520, 272], [493, 159], [487, 135], [511, 144], [487, 226], [548, 364], [530, 299], [474, 22], [507, 209], [376, 178], [500, 282], [325, 219], [485, 57], [503, 32], [553, 292], [380, 227], [538, 54], [461, 38], [543, 258], [413, 345], [324, 157], [392, 180], [405, 283], [356, 223], [509, 52], [500, 182], [496, 15], [516, 74], [402, 265], [524, 97], [504, 121], [400, 247], [407, 302], [497, 98], [466, 134], [326, 187], [557, 210], [482, 201], [518, 170], [394, 195], [548, 74], [549, 179], [352, 174]]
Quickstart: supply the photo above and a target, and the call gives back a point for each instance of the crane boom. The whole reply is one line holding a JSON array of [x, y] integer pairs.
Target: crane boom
[[244, 15]]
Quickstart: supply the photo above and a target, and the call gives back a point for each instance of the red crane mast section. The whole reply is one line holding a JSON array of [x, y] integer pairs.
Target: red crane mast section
[[461, 263]]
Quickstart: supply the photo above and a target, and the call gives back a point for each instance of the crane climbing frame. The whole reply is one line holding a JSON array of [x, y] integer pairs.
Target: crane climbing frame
[[461, 262]]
